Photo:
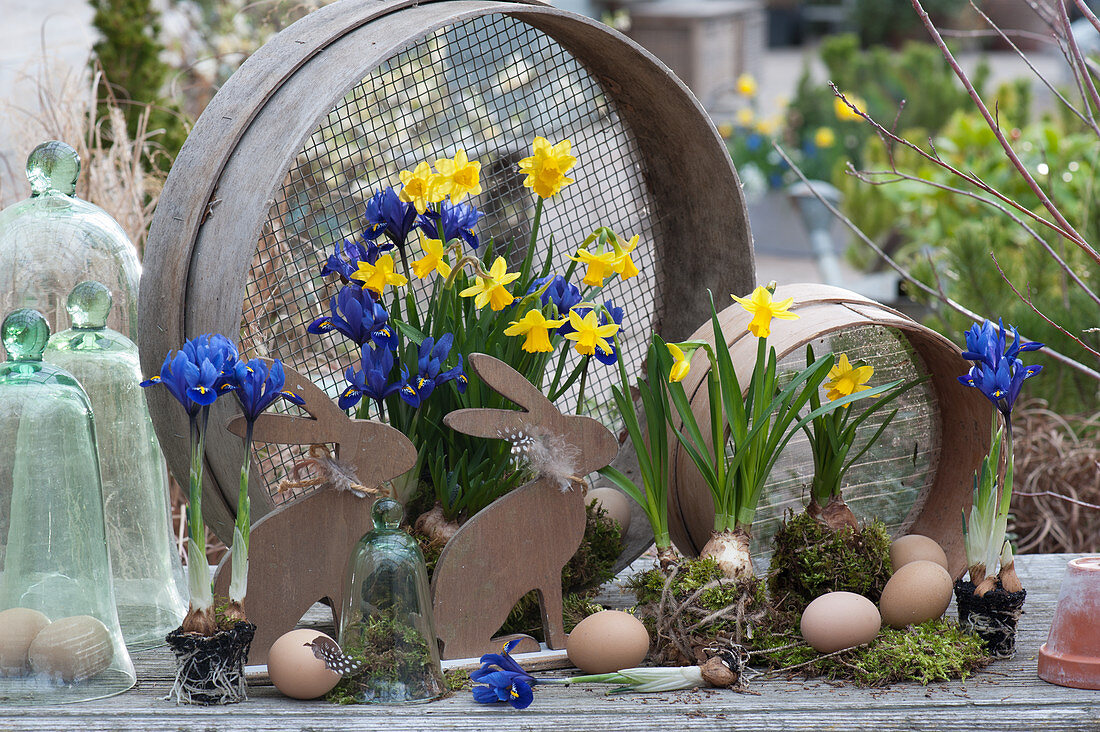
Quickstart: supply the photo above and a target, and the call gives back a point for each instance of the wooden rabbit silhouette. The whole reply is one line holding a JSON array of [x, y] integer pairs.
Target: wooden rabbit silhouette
[[522, 540], [298, 553]]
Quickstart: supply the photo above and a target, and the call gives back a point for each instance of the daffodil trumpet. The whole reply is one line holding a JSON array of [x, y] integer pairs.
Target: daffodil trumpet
[[832, 435], [759, 419]]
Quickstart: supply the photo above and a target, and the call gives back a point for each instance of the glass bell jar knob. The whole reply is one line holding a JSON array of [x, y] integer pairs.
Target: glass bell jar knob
[[386, 623], [60, 639], [149, 584], [25, 335], [53, 167], [88, 305]]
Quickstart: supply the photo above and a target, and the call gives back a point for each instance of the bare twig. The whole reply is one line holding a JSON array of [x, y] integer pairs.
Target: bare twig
[[1059, 496], [1075, 50], [1086, 11], [1071, 233]]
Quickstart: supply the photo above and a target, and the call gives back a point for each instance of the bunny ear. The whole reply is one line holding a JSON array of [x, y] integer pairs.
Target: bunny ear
[[512, 385], [493, 424]]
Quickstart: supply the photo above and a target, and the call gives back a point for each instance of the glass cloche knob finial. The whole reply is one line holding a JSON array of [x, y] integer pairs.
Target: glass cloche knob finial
[[88, 305], [25, 334], [387, 513], [53, 167]]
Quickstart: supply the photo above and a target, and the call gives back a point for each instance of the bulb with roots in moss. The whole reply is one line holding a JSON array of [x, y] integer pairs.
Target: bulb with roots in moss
[[730, 549]]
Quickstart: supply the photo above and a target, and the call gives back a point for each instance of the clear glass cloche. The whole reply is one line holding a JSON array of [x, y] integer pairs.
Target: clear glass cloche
[[53, 240], [386, 622], [148, 577], [60, 639]]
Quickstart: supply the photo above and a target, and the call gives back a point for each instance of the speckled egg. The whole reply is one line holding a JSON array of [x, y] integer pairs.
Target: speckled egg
[[910, 548], [18, 627], [72, 649], [295, 670], [839, 620], [614, 502], [608, 641], [918, 591]]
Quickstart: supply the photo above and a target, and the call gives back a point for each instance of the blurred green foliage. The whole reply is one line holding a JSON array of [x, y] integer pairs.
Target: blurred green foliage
[[892, 21]]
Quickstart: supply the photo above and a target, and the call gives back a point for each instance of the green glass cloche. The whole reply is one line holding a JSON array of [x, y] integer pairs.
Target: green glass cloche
[[59, 633], [53, 240], [149, 586], [388, 611]]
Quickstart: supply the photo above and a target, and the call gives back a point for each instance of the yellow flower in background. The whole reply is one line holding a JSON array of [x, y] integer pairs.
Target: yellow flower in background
[[376, 276], [745, 117], [763, 309], [725, 130], [767, 126], [824, 137], [434, 259], [622, 264], [546, 168], [680, 363], [746, 85], [589, 334], [844, 113], [537, 329], [420, 187], [459, 177], [845, 379], [491, 290], [600, 266]]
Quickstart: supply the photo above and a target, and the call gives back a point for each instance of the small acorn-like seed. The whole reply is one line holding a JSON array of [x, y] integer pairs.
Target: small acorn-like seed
[[72, 649], [716, 673]]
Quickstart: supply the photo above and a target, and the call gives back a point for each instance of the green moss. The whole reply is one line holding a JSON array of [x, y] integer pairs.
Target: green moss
[[936, 650], [457, 679], [389, 651], [810, 559]]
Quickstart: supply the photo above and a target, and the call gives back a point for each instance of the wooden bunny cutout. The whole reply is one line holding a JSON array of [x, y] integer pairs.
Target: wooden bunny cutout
[[298, 553], [522, 540]]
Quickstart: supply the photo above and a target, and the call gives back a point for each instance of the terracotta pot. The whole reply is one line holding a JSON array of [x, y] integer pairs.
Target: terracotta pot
[[1071, 655]]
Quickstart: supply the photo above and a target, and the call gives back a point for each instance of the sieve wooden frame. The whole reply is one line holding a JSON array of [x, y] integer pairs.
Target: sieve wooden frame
[[208, 222], [965, 415]]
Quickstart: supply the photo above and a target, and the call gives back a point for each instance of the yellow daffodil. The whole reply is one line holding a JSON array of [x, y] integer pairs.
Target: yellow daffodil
[[844, 113], [680, 363], [763, 309], [767, 126], [589, 334], [491, 290], [459, 177], [547, 166], [420, 187], [537, 329], [376, 276], [745, 117], [845, 379], [623, 265], [600, 266], [824, 137], [746, 85], [434, 259]]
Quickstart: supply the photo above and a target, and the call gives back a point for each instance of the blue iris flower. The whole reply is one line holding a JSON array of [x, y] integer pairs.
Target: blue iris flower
[[459, 220], [355, 314], [259, 386], [430, 374], [608, 358], [507, 682], [997, 372], [754, 141], [561, 292], [371, 380], [200, 372], [387, 214]]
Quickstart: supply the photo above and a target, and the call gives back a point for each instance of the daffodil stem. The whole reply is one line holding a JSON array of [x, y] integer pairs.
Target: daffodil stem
[[535, 225], [584, 381]]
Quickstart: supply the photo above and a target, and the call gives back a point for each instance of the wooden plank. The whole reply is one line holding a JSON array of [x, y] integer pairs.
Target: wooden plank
[[1009, 696]]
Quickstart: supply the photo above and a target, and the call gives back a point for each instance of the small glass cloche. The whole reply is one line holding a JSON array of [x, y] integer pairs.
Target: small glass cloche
[[386, 623], [59, 634], [53, 240], [148, 578]]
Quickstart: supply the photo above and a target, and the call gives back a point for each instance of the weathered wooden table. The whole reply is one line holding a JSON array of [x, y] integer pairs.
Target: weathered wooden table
[[1007, 696]]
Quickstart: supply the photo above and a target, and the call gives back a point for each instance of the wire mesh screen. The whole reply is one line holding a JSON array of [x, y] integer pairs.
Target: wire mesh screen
[[488, 86], [887, 479]]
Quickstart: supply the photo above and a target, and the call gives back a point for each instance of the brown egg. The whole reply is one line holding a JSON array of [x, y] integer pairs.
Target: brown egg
[[839, 620], [293, 668], [919, 591], [72, 649], [614, 502], [608, 641], [18, 627], [910, 548]]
